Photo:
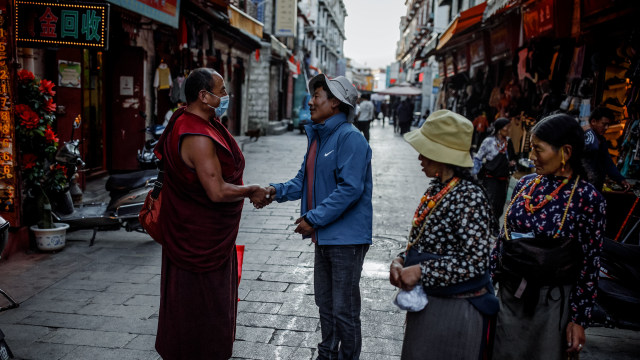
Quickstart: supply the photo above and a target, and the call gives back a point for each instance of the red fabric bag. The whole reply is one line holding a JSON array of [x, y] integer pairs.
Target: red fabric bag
[[150, 212], [149, 215]]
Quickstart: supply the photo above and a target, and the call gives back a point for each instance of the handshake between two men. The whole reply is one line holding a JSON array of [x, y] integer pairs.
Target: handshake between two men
[[263, 196]]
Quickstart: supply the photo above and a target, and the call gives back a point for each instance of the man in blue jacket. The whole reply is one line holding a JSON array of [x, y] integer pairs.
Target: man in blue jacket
[[335, 186]]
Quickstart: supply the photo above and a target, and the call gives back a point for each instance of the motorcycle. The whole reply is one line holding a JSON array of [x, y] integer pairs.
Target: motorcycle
[[5, 351], [127, 193], [619, 286], [146, 157]]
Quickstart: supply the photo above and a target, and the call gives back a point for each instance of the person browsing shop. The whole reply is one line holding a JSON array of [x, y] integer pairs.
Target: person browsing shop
[[492, 164], [547, 257], [598, 161]]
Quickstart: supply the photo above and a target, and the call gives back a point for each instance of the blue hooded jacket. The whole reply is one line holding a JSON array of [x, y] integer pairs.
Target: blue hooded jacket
[[342, 212]]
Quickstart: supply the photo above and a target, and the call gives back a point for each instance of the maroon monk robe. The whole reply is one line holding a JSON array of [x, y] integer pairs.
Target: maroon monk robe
[[199, 284]]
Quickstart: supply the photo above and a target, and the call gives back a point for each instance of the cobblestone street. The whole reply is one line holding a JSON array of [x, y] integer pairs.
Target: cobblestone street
[[101, 302]]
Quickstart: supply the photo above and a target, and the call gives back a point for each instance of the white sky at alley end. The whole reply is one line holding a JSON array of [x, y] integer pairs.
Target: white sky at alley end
[[372, 31]]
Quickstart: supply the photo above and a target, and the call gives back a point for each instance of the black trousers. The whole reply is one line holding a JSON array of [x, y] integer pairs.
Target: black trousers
[[364, 127]]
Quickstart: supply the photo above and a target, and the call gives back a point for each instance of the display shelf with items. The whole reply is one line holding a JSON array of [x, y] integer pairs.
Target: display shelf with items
[[620, 94], [619, 88]]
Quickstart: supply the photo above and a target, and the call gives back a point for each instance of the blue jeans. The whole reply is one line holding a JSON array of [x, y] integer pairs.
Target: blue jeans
[[337, 292]]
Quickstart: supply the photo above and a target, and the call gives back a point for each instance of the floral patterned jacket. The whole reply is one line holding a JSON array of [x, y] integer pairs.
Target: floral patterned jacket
[[459, 229]]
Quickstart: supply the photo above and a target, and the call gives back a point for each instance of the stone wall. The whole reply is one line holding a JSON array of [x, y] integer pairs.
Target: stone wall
[[258, 90]]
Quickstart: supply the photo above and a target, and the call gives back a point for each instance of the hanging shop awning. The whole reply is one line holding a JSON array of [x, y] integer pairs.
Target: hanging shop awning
[[495, 6], [402, 89], [462, 22], [241, 20], [219, 23], [430, 47], [278, 48], [166, 12]]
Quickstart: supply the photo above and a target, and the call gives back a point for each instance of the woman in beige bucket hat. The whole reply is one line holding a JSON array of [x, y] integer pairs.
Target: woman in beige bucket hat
[[448, 250]]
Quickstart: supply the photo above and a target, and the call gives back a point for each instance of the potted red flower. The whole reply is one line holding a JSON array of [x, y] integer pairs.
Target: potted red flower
[[43, 178]]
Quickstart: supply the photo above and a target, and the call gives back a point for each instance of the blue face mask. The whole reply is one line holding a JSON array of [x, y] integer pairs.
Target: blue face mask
[[224, 104]]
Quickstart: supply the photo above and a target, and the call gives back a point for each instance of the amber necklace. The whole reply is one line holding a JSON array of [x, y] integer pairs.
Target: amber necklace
[[533, 182], [432, 203]]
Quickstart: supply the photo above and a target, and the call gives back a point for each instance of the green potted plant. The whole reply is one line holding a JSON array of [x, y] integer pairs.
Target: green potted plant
[[42, 176]]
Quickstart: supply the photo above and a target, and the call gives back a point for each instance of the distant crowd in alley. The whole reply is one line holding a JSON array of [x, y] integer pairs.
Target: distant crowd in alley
[[399, 113]]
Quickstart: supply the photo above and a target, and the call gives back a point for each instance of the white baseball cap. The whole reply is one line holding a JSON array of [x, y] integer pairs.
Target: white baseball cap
[[342, 89]]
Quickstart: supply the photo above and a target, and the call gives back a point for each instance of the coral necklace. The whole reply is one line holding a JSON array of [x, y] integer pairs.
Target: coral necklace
[[527, 198], [566, 210], [431, 202]]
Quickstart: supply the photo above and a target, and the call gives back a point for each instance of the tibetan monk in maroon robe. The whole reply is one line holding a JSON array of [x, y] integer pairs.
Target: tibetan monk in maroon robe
[[202, 198]]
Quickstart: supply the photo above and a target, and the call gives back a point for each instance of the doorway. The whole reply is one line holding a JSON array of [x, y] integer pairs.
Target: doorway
[[126, 125], [93, 134]]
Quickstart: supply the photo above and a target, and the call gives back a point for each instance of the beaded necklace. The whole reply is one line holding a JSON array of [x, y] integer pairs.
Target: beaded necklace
[[566, 210], [432, 202], [547, 198]]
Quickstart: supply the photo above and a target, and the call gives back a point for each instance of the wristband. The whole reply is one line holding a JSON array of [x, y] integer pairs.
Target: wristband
[[308, 222]]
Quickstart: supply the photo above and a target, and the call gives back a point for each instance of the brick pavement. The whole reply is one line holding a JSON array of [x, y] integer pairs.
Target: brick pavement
[[101, 302]]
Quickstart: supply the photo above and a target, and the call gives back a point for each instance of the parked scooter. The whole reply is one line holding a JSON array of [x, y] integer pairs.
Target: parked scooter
[[127, 194], [619, 286], [5, 352], [146, 157]]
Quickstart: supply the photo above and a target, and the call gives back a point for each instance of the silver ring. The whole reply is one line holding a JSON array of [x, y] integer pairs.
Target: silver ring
[[268, 196], [580, 345]]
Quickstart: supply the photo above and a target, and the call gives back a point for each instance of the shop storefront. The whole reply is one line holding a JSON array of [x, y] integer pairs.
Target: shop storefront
[[212, 41], [48, 42], [544, 57]]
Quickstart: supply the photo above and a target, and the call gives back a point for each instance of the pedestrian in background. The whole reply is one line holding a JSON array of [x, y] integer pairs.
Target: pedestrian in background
[[492, 164], [335, 185], [449, 246], [480, 125], [364, 115], [424, 117], [547, 258], [598, 161], [405, 116], [393, 109], [385, 111], [202, 203]]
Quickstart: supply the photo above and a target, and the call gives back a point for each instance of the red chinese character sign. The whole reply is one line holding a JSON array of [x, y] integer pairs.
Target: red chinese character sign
[[538, 19], [8, 179], [79, 24]]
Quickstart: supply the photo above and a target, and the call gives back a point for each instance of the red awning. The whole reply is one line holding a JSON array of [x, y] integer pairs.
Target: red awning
[[462, 22]]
